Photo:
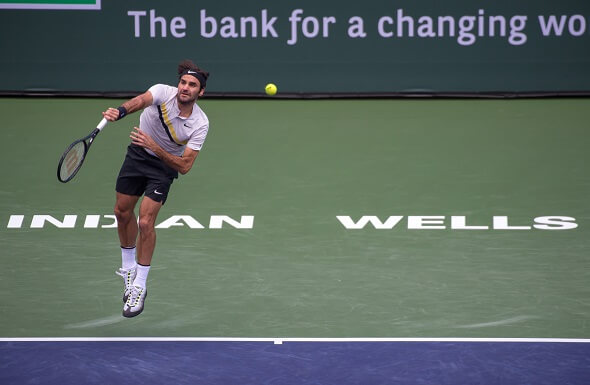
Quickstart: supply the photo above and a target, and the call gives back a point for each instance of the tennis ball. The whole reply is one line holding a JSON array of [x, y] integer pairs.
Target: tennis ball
[[270, 89]]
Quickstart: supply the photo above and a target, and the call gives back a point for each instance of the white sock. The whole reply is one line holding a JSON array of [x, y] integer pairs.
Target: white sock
[[142, 274], [128, 257]]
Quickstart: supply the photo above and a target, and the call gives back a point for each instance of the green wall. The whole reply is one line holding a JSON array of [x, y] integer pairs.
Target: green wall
[[349, 47]]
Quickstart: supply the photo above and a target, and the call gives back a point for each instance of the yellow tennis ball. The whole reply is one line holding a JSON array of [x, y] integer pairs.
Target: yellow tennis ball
[[270, 89]]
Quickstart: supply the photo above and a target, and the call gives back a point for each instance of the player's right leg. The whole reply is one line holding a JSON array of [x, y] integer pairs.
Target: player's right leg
[[127, 229], [126, 220], [130, 186]]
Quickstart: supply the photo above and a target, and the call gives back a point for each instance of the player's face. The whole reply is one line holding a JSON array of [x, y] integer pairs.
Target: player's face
[[189, 89]]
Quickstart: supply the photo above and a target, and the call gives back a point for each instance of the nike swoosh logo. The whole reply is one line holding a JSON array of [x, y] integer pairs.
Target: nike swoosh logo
[[187, 125], [157, 192]]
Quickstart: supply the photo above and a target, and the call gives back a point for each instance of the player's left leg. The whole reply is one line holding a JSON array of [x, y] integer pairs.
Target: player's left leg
[[146, 243]]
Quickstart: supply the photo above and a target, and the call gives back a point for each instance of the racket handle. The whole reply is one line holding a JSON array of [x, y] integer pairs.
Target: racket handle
[[102, 123]]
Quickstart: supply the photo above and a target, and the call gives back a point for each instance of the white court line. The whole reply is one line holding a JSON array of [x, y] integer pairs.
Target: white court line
[[279, 340]]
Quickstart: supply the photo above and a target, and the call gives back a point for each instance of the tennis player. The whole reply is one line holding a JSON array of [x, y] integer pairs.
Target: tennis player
[[171, 133]]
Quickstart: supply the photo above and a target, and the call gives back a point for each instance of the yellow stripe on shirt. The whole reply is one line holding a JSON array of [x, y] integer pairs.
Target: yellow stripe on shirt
[[170, 126]]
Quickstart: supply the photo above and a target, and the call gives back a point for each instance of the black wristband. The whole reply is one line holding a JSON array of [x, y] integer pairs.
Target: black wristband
[[122, 112]]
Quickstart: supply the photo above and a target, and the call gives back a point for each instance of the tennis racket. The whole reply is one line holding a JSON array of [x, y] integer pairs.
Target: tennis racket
[[74, 155]]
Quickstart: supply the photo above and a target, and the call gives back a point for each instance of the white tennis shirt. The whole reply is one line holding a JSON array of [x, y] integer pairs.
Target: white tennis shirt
[[162, 121]]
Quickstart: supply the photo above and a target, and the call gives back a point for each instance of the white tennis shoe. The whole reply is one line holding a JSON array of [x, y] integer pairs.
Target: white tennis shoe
[[134, 304], [128, 278]]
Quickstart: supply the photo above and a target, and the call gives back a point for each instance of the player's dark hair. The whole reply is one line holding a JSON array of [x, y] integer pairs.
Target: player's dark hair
[[188, 65]]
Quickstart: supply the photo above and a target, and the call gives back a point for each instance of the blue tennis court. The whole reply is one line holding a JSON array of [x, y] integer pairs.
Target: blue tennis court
[[296, 362]]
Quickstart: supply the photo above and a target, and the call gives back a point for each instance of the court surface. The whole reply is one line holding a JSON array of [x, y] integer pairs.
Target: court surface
[[359, 233]]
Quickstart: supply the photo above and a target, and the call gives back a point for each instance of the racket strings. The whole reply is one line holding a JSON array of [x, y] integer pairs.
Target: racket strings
[[72, 161]]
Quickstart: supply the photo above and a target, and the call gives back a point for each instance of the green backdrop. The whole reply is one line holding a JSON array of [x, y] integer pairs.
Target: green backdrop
[[373, 47]]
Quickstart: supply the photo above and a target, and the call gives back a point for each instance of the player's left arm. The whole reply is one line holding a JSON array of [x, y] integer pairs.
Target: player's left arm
[[182, 164]]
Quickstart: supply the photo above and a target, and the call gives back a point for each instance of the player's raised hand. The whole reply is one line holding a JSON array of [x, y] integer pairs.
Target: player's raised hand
[[111, 114]]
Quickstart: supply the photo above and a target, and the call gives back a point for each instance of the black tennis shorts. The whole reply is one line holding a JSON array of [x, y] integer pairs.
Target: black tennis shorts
[[145, 174]]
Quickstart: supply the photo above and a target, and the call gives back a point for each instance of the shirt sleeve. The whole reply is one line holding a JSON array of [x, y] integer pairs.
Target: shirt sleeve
[[158, 92], [198, 138]]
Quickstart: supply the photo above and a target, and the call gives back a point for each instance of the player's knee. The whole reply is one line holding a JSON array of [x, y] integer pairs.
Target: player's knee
[[146, 224], [123, 215]]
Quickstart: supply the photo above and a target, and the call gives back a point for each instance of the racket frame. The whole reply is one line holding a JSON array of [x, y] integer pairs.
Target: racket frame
[[87, 140]]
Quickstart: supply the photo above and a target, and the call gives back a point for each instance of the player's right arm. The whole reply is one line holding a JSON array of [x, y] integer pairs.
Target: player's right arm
[[137, 103]]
